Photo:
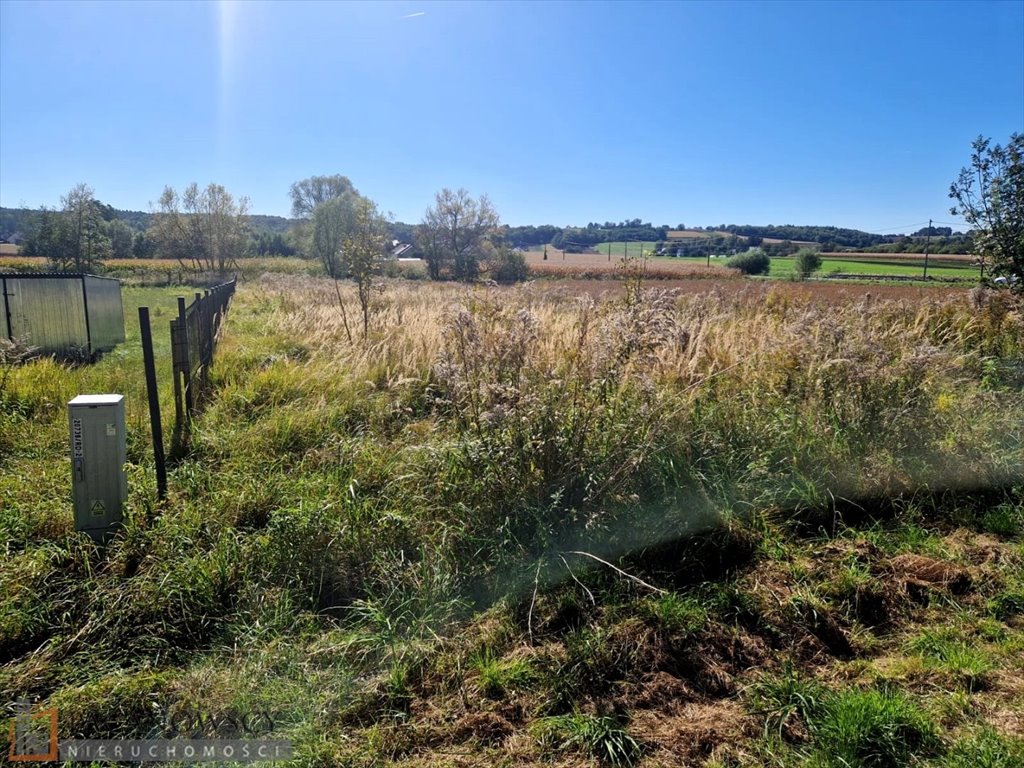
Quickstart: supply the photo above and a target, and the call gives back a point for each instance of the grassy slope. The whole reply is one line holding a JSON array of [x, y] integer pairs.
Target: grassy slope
[[363, 545]]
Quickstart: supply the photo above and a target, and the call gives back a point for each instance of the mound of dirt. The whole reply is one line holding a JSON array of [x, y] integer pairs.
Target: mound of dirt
[[926, 572]]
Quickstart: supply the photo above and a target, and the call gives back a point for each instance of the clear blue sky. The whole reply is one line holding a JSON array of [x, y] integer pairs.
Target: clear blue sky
[[854, 114]]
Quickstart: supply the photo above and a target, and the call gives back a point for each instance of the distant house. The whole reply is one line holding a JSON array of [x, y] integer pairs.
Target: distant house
[[403, 251]]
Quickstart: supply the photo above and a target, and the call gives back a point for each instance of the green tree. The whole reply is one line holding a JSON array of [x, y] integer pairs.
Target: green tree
[[143, 246], [46, 237], [74, 238], [364, 248], [333, 223], [990, 196], [325, 207], [807, 262], [121, 236], [206, 228], [456, 234], [509, 266], [309, 193]]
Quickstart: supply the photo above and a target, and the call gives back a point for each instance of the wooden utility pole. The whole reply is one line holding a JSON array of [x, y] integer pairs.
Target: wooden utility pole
[[927, 241]]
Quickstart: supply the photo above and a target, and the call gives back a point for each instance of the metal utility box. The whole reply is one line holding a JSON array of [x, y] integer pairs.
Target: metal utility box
[[98, 453]]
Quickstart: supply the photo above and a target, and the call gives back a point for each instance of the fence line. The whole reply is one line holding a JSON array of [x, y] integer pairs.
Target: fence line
[[194, 336]]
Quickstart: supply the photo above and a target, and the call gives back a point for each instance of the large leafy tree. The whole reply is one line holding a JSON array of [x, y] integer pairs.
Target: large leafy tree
[[990, 196], [73, 238], [333, 223], [309, 193], [326, 207], [457, 233], [206, 228]]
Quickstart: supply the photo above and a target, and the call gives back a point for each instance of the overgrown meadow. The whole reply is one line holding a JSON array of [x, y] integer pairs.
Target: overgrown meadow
[[516, 526]]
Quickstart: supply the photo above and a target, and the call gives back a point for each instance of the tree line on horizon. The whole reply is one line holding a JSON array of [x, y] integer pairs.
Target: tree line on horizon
[[462, 238], [275, 235]]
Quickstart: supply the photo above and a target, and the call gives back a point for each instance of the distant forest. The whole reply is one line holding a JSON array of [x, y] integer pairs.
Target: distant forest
[[269, 235], [15, 222]]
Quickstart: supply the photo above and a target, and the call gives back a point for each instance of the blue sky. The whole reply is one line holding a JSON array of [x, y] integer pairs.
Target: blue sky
[[854, 114]]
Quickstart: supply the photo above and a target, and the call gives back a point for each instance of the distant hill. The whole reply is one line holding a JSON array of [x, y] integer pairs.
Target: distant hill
[[272, 224]]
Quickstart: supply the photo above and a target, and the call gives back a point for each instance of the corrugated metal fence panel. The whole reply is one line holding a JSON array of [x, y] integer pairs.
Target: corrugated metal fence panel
[[106, 315], [48, 313]]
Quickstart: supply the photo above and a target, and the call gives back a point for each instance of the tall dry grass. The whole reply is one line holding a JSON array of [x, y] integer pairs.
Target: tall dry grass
[[660, 270], [874, 391]]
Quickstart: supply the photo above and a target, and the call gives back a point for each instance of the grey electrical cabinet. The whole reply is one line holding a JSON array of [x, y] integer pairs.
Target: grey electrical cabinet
[[98, 454]]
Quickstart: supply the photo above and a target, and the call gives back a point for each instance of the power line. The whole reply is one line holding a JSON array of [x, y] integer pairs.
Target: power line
[[892, 230]]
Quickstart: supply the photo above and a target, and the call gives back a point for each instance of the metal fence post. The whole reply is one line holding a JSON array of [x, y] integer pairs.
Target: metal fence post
[[183, 363], [154, 403]]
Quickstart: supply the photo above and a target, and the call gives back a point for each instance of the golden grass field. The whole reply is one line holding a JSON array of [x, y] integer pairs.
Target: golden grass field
[[598, 265]]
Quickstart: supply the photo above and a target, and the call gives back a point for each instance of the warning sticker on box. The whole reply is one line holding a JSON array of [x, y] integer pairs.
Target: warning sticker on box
[[98, 508], [111, 430]]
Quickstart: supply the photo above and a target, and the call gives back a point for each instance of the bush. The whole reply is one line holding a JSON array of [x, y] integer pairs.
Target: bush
[[755, 262], [510, 267], [807, 261]]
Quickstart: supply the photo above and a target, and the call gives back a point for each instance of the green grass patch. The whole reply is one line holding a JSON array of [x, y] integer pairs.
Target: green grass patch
[[496, 677], [946, 650], [600, 737], [784, 267], [855, 728], [785, 701], [984, 748]]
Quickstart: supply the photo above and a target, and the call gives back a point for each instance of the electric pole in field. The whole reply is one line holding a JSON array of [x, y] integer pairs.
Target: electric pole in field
[[927, 241]]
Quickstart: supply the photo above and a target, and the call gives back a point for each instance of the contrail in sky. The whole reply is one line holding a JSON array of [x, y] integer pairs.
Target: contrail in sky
[[414, 15]]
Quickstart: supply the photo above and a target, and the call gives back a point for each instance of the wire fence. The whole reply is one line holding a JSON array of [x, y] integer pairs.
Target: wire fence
[[194, 336]]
